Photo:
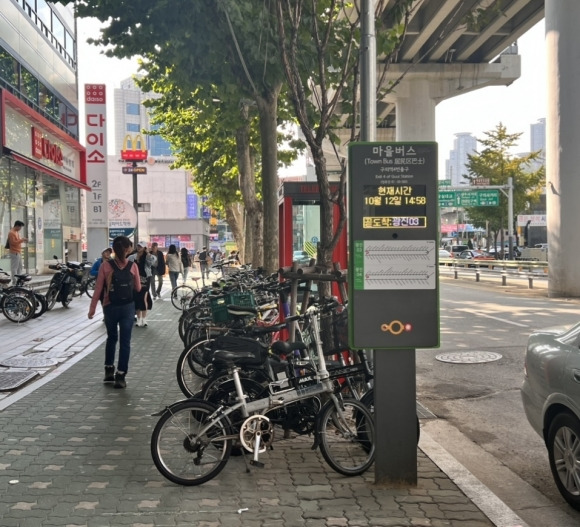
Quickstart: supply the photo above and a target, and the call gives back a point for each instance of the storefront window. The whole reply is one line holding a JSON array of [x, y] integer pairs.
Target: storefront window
[[17, 202], [8, 68], [52, 218], [29, 85]]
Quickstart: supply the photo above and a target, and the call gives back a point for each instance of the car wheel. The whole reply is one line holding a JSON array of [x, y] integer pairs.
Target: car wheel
[[564, 453]]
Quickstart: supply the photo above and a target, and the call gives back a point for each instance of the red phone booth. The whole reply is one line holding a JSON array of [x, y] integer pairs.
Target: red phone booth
[[299, 224]]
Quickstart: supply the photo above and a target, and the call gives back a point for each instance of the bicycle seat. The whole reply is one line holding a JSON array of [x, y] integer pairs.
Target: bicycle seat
[[282, 348], [225, 358], [23, 277]]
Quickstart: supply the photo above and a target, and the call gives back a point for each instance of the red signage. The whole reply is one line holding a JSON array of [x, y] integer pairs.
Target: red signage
[[133, 149], [42, 148]]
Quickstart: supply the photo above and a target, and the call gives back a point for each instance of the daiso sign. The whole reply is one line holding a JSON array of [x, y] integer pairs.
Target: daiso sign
[[43, 148]]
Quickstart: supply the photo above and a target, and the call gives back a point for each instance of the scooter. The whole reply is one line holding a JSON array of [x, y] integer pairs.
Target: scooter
[[64, 282]]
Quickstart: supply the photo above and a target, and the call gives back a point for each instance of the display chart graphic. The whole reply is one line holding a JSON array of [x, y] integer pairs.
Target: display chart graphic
[[387, 264]]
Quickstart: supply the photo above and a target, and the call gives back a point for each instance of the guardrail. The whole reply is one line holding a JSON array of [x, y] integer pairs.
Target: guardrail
[[502, 269]]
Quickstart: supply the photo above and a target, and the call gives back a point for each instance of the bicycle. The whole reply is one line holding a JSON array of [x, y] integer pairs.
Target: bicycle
[[86, 284], [182, 296], [192, 441], [15, 302]]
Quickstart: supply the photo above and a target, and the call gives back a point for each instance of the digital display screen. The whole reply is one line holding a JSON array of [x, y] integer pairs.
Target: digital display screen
[[394, 206]]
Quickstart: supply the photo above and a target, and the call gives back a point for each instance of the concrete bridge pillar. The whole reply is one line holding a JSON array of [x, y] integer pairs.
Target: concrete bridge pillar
[[562, 141]]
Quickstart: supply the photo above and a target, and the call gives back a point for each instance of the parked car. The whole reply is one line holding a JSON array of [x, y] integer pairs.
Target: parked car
[[551, 398], [443, 253], [302, 257], [474, 255], [455, 249]]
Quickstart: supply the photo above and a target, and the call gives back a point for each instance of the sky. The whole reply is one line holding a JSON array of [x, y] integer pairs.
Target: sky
[[516, 106]]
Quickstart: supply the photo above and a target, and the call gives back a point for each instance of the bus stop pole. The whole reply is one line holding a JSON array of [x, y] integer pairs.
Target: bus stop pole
[[395, 381]]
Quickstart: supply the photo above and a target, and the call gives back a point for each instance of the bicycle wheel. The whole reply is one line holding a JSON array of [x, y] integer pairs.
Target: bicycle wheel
[[187, 448], [17, 308], [181, 296], [188, 371], [90, 286], [347, 436], [368, 399]]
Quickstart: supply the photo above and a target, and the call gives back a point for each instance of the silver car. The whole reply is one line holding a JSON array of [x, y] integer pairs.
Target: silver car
[[551, 397]]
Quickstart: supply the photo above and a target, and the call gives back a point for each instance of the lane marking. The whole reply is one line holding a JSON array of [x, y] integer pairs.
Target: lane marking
[[474, 312]]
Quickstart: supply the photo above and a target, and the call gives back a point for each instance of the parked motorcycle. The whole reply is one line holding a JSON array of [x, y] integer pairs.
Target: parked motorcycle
[[64, 283]]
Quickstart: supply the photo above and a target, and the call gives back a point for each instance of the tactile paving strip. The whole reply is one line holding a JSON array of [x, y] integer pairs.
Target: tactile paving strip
[[469, 357], [28, 362], [10, 380]]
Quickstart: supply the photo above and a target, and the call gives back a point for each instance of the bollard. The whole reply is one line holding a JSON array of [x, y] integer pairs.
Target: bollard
[[530, 281], [477, 275], [455, 273], [503, 278]]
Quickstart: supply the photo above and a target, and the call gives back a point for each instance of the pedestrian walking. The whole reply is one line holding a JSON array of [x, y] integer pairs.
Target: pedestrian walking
[[186, 262], [157, 271], [174, 265], [203, 267], [118, 280], [143, 302], [105, 255], [14, 246]]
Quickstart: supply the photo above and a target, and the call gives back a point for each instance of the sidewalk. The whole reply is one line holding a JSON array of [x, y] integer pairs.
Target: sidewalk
[[75, 452]]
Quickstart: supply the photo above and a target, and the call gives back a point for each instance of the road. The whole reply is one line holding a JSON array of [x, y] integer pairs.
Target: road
[[480, 414]]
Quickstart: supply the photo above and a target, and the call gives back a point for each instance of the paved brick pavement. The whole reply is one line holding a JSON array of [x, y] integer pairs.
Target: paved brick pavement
[[75, 452]]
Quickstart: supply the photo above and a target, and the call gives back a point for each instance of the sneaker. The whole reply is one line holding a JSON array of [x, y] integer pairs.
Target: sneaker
[[109, 374], [143, 324], [120, 380]]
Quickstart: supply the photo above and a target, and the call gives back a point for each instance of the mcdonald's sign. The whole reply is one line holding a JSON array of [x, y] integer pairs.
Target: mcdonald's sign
[[134, 148]]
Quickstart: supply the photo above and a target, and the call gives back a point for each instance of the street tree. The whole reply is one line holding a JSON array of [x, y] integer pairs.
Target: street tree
[[223, 43], [496, 163]]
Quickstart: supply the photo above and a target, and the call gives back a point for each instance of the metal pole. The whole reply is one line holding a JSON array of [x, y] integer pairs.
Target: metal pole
[[135, 206], [511, 217], [368, 85]]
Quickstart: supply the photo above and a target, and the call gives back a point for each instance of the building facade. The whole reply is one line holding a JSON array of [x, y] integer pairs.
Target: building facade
[[42, 164]]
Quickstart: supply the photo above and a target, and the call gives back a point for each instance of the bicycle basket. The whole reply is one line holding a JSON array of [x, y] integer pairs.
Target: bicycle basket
[[219, 305], [334, 330]]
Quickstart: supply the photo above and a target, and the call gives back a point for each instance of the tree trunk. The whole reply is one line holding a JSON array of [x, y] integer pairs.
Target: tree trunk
[[268, 111], [253, 248], [325, 247], [235, 219]]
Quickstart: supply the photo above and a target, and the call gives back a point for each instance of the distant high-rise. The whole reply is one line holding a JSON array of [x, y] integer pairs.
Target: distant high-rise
[[455, 168], [131, 118], [538, 139]]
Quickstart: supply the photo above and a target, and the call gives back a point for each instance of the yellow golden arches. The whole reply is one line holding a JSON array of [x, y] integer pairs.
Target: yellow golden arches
[[134, 148], [396, 327]]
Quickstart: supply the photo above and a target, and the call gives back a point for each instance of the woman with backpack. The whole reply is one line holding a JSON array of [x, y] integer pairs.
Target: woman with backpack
[[118, 280], [174, 265]]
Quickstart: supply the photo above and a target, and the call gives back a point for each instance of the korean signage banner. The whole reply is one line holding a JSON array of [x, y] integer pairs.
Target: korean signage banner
[[96, 145]]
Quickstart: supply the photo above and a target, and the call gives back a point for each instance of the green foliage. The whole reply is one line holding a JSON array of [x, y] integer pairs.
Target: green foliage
[[497, 164]]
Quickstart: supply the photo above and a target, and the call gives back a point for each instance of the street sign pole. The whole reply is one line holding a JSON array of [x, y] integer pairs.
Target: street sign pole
[[511, 217], [135, 205]]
